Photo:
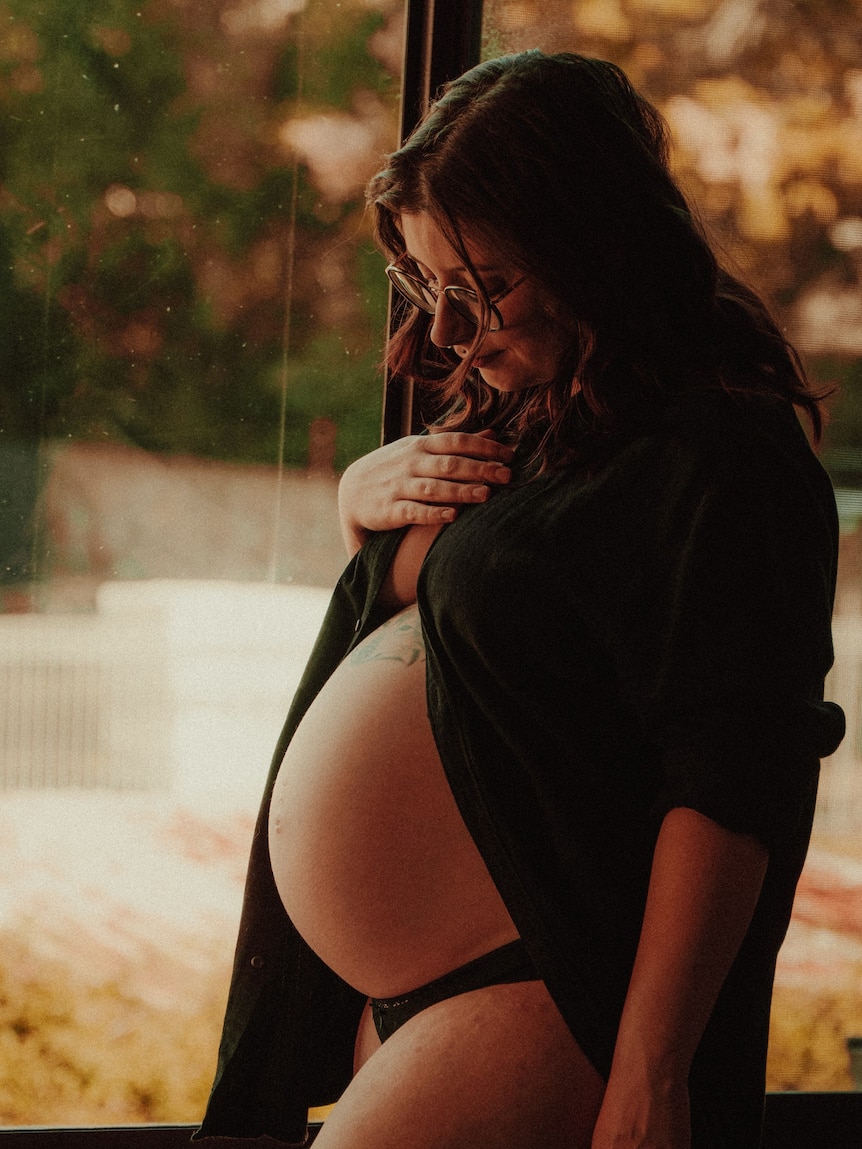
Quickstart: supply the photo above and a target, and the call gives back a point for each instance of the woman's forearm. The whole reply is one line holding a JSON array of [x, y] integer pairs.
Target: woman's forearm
[[704, 887]]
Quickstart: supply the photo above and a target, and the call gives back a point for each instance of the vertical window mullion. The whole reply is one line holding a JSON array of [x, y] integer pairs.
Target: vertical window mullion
[[443, 39]]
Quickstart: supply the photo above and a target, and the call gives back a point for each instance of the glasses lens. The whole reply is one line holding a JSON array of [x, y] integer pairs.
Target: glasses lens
[[468, 305], [413, 289], [461, 299]]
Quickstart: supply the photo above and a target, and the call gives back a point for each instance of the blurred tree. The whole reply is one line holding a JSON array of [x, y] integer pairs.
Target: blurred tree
[[166, 254]]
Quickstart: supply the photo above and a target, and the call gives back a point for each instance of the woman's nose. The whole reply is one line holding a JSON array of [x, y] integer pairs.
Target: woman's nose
[[449, 327]]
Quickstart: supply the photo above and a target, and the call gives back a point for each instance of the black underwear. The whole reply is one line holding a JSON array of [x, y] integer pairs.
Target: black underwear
[[508, 963]]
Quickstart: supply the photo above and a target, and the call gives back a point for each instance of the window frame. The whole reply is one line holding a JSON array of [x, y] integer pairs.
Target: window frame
[[443, 39]]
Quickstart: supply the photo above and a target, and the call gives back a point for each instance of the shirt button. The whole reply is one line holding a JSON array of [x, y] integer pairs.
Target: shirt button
[[257, 962]]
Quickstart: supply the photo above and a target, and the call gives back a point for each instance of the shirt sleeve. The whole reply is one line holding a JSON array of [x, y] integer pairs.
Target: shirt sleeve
[[718, 619]]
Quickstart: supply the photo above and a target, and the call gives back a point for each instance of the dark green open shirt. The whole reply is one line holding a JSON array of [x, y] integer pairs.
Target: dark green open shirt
[[601, 649]]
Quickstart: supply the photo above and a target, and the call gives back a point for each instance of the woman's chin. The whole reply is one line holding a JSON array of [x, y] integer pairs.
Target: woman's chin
[[500, 380]]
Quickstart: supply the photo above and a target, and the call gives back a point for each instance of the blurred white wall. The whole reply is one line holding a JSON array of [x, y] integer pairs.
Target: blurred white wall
[[177, 685]]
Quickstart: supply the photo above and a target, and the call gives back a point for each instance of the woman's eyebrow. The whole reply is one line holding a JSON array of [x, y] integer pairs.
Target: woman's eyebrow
[[481, 268]]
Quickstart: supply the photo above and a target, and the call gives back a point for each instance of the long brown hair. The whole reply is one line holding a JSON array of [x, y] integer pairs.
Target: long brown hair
[[557, 163]]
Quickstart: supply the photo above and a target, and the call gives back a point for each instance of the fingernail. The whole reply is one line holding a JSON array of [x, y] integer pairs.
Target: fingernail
[[503, 474], [447, 514], [480, 493]]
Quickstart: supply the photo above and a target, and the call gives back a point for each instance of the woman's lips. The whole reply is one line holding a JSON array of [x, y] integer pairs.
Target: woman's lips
[[479, 361]]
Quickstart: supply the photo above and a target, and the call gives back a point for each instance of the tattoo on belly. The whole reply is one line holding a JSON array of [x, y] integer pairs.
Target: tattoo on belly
[[397, 640]]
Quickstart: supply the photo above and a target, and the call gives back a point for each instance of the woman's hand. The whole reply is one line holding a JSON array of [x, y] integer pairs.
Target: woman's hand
[[420, 479], [640, 1116]]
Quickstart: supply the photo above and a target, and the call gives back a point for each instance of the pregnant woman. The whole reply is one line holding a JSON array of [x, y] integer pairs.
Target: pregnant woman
[[533, 829]]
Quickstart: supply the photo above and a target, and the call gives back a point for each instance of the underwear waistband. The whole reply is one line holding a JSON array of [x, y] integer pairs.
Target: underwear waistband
[[508, 963]]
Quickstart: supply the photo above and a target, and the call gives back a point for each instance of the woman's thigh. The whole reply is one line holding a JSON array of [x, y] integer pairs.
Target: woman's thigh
[[490, 1069]]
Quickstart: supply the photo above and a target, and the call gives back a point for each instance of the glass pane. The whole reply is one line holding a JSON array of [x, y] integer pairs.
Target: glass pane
[[765, 105], [193, 317]]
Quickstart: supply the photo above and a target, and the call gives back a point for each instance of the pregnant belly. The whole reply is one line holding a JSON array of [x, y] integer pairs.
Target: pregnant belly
[[369, 852]]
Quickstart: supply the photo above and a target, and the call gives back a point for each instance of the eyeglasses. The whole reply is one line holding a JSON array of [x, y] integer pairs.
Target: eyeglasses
[[462, 300]]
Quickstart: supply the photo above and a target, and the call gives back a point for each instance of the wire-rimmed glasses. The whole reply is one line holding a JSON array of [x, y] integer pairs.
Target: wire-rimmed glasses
[[462, 300]]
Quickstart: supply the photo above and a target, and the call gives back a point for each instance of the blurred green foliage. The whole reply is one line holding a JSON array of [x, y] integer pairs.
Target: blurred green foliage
[[147, 240]]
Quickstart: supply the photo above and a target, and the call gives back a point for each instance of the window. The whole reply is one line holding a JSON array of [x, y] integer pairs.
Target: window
[[180, 247], [192, 323]]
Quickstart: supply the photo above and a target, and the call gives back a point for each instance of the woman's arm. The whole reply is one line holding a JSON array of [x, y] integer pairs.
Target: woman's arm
[[420, 479], [704, 887]]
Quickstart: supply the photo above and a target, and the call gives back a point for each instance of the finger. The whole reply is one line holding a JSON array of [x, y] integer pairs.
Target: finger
[[439, 491], [487, 433], [474, 467], [424, 514], [460, 469], [463, 443]]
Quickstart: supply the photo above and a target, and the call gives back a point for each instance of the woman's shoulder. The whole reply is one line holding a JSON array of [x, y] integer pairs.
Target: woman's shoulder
[[724, 437], [742, 456]]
